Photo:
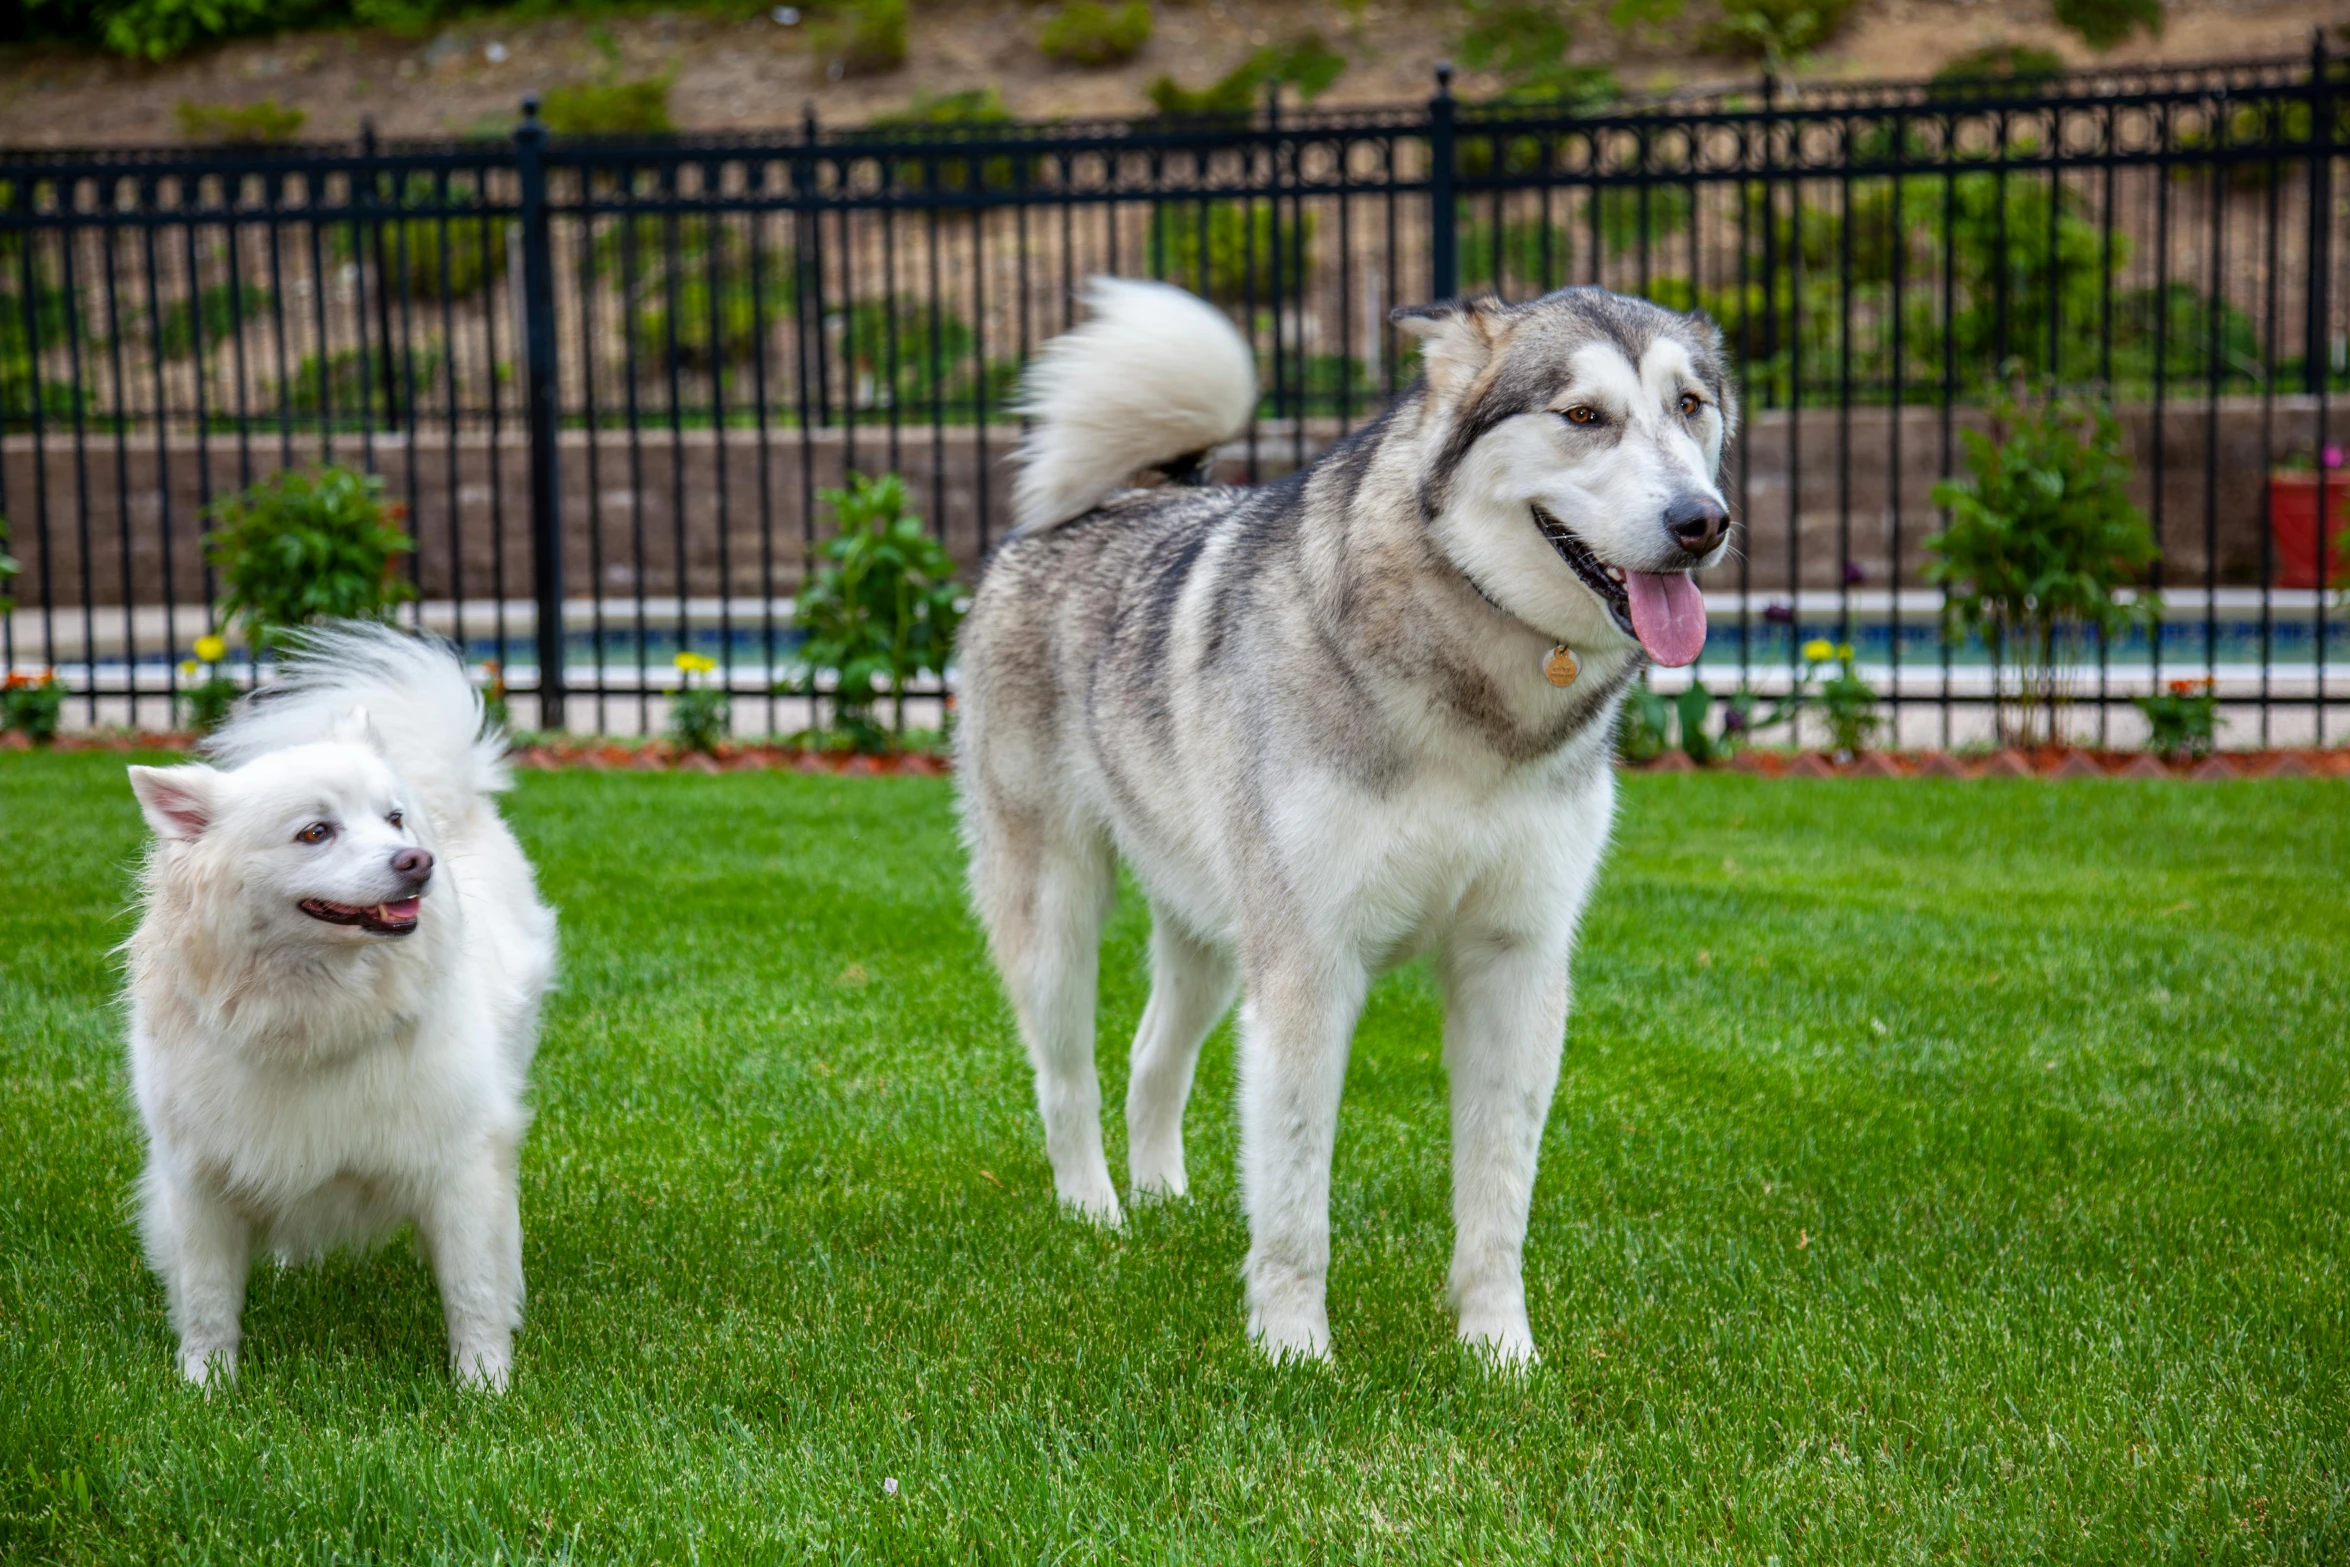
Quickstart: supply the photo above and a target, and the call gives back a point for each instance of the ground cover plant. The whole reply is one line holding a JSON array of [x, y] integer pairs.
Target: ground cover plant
[[1940, 1171]]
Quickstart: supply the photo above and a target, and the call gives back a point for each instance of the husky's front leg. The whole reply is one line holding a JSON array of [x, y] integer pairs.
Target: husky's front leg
[[472, 1233], [1504, 1028], [203, 1249], [1295, 1027]]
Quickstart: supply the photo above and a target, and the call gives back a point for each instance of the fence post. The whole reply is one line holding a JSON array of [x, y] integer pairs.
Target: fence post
[[538, 332], [1444, 269], [2315, 360], [369, 191]]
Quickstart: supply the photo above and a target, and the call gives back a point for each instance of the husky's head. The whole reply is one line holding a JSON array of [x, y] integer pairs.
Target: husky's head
[[313, 844], [1574, 446]]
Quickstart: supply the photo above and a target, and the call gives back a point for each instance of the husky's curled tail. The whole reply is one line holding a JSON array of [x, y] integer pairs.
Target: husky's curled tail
[[423, 711], [1154, 377]]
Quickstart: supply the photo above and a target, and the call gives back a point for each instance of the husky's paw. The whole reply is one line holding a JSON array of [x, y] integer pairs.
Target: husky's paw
[[1502, 1340], [1095, 1205], [1291, 1336], [1158, 1173], [488, 1366], [209, 1365]]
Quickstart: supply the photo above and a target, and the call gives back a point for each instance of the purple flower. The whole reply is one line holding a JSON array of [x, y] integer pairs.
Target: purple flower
[[1854, 574], [1779, 614], [2331, 457]]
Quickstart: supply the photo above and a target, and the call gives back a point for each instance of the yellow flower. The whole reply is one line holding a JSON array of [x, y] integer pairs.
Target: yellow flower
[[1844, 651], [696, 663], [1819, 650], [211, 648], [187, 669]]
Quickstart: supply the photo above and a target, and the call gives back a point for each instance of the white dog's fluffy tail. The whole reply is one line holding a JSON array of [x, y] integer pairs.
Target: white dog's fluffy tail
[[421, 711], [1156, 374]]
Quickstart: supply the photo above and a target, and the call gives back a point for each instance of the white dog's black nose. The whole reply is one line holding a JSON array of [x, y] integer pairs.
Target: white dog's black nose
[[1697, 523], [414, 864]]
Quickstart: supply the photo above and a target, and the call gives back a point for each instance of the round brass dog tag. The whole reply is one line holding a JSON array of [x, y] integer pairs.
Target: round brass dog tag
[[1560, 668]]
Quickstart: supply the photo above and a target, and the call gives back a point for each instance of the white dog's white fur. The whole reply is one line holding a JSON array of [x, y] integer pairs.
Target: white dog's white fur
[[308, 1084]]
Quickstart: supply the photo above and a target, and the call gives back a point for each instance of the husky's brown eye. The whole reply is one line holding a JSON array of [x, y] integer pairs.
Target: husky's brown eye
[[1582, 413], [394, 818], [316, 832], [1690, 403]]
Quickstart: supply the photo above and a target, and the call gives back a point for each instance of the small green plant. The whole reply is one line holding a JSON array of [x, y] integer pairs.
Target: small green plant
[[609, 108], [1525, 45], [2182, 720], [497, 707], [209, 693], [1995, 67], [1307, 64], [1846, 703], [862, 38], [2103, 23], [1091, 34], [32, 704], [2041, 533], [881, 610], [305, 545], [263, 124], [1778, 32], [209, 319], [700, 718]]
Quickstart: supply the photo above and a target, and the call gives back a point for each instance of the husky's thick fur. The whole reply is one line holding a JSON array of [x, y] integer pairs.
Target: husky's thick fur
[[1315, 719], [334, 994]]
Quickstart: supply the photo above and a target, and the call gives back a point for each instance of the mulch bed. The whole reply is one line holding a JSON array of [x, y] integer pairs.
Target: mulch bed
[[2048, 761]]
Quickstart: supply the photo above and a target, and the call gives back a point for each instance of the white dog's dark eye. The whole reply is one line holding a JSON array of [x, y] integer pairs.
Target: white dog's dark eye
[[316, 832], [1690, 403], [394, 818], [1582, 413]]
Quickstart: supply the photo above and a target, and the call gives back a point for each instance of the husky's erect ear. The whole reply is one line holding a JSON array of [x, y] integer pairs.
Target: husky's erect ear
[[178, 802], [1457, 338]]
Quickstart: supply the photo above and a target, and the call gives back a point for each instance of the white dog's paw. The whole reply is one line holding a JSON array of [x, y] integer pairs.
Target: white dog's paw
[[488, 1366], [209, 1365], [1286, 1337], [1501, 1339], [1158, 1174], [1094, 1200]]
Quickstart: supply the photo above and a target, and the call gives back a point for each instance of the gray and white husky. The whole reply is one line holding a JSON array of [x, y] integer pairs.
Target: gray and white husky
[[1332, 723]]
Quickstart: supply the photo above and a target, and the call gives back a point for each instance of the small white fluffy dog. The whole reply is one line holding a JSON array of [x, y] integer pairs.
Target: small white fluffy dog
[[334, 994]]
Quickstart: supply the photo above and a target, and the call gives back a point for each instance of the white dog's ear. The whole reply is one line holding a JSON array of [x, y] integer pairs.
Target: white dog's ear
[[1456, 340], [353, 728], [178, 802]]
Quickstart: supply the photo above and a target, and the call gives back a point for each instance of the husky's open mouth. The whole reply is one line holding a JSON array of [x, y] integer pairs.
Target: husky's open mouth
[[397, 918], [1661, 610]]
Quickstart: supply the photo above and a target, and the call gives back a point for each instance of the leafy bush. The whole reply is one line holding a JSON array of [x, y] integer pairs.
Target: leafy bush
[[1846, 703], [973, 108], [159, 29], [240, 124], [864, 38], [2041, 533], [2182, 719], [33, 704], [1525, 45], [442, 249], [211, 318], [354, 385], [1776, 31], [726, 334], [903, 355], [305, 545], [1240, 253], [1090, 34], [882, 609], [609, 108], [2024, 67], [1307, 64], [207, 701], [700, 717], [2103, 23]]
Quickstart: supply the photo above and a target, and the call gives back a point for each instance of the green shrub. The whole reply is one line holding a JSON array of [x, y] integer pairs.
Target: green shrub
[[266, 123], [2041, 533], [972, 108], [902, 354], [356, 385], [2024, 67], [306, 545], [881, 610], [700, 716], [32, 704], [1307, 64], [734, 336], [1525, 45], [207, 701], [159, 29], [1777, 31], [2182, 720], [863, 38], [214, 316], [1238, 254], [1090, 34], [444, 250], [609, 108], [2103, 23]]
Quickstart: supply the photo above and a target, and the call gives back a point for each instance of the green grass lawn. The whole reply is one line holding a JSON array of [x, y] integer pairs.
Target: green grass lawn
[[1939, 1171]]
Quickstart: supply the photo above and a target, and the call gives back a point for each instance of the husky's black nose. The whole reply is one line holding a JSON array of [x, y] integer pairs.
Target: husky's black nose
[[414, 864], [1697, 523]]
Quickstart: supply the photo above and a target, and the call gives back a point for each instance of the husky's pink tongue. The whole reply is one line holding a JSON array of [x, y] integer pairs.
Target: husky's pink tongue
[[1668, 615]]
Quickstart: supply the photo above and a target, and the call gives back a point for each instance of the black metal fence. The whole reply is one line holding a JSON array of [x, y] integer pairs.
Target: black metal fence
[[609, 380]]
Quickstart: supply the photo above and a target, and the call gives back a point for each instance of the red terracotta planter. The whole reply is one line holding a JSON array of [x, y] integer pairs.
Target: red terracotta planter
[[2292, 523]]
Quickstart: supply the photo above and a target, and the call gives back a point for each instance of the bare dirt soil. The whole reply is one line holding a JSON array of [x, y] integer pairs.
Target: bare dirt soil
[[737, 74]]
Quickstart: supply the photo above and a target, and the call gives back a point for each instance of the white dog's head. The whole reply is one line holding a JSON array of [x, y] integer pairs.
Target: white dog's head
[[1572, 477], [315, 843]]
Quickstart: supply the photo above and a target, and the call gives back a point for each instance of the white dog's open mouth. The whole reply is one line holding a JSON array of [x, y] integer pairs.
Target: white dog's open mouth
[[1662, 610], [397, 918]]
